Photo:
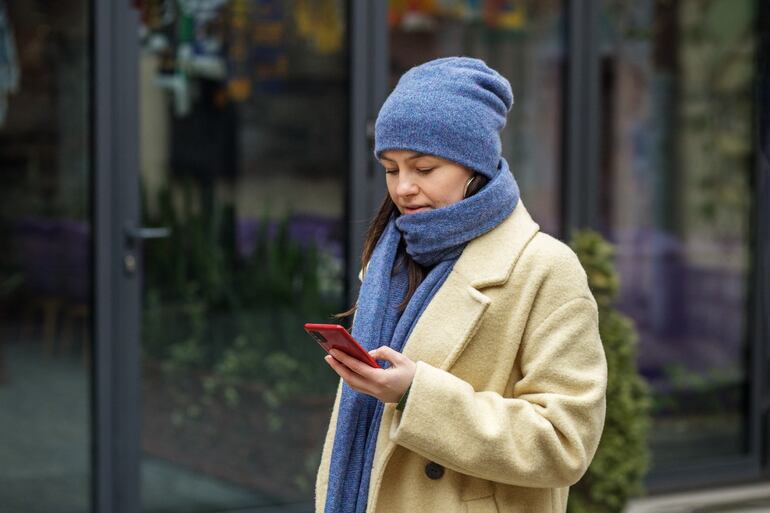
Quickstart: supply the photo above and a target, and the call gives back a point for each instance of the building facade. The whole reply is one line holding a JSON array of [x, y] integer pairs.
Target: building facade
[[185, 183]]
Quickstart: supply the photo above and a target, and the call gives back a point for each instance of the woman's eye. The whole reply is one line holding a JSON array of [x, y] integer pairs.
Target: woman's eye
[[390, 171], [425, 170]]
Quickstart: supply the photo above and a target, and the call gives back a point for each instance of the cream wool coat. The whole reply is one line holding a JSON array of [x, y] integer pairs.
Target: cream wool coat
[[509, 394]]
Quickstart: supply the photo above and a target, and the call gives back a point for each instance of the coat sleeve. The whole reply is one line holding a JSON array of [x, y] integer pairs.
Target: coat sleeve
[[544, 435]]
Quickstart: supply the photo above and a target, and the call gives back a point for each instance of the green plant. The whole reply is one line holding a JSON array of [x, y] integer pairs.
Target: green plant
[[622, 459], [703, 393], [216, 322]]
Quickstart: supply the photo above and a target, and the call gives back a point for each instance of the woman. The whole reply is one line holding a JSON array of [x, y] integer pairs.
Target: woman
[[493, 393]]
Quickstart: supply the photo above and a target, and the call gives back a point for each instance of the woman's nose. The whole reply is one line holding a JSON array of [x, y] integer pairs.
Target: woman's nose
[[406, 185]]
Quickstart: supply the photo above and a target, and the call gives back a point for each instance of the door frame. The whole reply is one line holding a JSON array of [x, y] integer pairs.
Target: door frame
[[115, 385], [369, 78]]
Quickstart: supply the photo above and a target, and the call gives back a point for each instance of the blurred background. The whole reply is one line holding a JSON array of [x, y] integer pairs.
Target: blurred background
[[243, 130]]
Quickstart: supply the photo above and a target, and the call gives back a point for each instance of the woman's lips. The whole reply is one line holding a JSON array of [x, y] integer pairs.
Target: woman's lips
[[408, 210]]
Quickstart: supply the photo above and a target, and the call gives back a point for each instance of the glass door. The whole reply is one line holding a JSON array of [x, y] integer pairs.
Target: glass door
[[46, 306], [676, 196], [244, 161]]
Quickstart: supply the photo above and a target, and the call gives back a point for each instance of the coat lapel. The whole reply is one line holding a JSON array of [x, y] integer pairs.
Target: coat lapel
[[438, 343], [454, 313]]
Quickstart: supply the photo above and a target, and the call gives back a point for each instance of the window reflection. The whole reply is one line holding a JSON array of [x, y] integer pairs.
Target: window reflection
[[678, 80], [524, 41], [45, 262], [244, 157]]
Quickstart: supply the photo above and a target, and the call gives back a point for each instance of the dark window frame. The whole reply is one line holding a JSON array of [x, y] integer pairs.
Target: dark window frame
[[369, 57], [115, 373]]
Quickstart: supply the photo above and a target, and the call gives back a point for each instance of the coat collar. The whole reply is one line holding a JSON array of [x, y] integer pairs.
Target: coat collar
[[489, 259]]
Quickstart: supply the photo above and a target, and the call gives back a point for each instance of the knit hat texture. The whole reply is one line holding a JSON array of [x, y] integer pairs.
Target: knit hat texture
[[453, 107]]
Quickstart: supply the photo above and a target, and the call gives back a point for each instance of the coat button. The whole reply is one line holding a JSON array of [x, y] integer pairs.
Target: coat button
[[434, 470]]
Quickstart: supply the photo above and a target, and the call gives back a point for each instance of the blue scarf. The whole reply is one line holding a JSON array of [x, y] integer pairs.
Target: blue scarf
[[434, 239]]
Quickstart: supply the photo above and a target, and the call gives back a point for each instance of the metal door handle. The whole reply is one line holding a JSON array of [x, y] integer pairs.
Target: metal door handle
[[140, 233], [148, 233], [134, 236]]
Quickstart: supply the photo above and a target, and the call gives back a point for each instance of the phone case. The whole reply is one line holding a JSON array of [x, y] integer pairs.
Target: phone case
[[334, 336]]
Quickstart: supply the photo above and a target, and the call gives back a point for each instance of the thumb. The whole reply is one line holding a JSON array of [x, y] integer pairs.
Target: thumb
[[385, 353]]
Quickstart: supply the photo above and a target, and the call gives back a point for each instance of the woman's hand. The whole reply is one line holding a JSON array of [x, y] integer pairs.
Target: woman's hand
[[387, 385]]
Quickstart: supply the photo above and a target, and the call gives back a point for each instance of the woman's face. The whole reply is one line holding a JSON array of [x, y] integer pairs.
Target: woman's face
[[418, 182]]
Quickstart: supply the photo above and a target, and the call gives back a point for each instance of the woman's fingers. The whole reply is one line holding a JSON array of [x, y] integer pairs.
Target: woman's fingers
[[353, 364], [351, 378], [387, 385]]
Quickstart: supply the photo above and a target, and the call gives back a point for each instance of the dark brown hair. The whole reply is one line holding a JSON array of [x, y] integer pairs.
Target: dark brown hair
[[414, 270]]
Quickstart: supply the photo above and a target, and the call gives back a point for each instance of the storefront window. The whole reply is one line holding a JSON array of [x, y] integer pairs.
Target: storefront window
[[244, 157], [45, 263], [523, 40], [678, 104]]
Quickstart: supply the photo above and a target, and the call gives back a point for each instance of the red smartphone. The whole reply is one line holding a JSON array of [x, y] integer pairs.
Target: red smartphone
[[334, 336]]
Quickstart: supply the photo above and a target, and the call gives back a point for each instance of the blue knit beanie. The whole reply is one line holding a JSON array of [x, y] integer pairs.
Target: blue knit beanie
[[453, 107]]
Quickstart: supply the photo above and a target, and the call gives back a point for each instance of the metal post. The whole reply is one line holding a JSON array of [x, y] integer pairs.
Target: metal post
[[115, 386], [582, 117], [369, 86]]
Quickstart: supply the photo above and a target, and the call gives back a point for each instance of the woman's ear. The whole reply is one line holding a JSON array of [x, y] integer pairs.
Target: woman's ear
[[476, 183]]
